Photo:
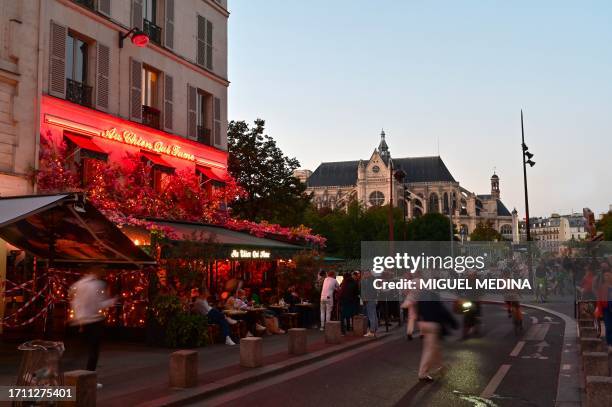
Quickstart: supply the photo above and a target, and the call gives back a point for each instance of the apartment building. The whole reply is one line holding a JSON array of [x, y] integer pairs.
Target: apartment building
[[113, 76]]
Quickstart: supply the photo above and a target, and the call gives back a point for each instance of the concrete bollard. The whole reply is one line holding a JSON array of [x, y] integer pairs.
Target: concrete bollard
[[360, 325], [251, 352], [183, 368], [598, 391], [595, 364], [297, 341], [591, 345], [85, 383], [585, 323], [333, 333], [588, 332]]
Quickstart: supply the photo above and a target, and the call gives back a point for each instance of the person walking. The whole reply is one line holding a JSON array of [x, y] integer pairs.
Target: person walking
[[87, 297], [434, 320], [605, 305], [330, 286]]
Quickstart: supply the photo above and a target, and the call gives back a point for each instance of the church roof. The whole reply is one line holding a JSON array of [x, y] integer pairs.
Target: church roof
[[340, 173], [417, 169], [502, 210]]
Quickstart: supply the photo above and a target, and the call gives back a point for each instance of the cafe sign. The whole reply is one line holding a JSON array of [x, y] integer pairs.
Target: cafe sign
[[250, 254], [132, 139]]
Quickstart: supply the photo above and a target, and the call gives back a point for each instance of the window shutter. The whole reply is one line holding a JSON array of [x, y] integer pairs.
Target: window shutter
[[104, 7], [102, 76], [209, 47], [217, 121], [169, 26], [168, 101], [191, 112], [201, 51], [137, 14], [135, 90], [57, 63]]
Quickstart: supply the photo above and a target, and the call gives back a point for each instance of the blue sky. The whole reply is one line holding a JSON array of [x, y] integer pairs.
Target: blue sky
[[328, 75]]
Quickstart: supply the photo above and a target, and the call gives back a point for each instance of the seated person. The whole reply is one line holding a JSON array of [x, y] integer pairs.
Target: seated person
[[240, 302], [291, 298], [214, 316]]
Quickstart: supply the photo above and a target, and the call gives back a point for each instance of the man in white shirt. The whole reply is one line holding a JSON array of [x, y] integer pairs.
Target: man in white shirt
[[88, 298], [330, 285]]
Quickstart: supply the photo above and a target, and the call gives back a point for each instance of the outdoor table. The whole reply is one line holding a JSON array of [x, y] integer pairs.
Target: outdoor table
[[234, 313]]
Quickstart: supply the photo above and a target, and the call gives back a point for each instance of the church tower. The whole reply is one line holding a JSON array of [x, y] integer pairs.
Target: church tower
[[383, 148], [495, 186]]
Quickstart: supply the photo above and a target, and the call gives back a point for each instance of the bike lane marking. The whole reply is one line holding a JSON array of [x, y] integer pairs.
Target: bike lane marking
[[517, 349], [495, 381]]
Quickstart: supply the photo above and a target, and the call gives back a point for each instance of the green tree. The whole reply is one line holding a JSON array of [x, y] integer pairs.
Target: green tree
[[605, 225], [266, 174], [430, 227], [485, 232]]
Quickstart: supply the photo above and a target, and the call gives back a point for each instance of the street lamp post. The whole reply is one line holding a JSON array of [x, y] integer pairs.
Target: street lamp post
[[527, 156]]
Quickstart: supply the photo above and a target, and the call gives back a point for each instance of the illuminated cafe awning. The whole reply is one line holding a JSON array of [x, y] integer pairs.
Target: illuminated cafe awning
[[87, 147], [212, 174], [157, 161], [66, 230], [221, 243]]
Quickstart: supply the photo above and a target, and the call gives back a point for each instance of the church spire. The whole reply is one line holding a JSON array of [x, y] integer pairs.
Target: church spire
[[383, 148]]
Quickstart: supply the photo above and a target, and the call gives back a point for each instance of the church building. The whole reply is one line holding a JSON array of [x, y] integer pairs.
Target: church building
[[418, 185]]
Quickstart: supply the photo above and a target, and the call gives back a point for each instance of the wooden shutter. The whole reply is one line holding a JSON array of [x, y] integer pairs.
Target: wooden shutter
[[192, 117], [168, 101], [102, 76], [135, 90], [57, 62], [217, 121], [104, 7], [209, 47], [201, 51], [169, 26], [137, 14]]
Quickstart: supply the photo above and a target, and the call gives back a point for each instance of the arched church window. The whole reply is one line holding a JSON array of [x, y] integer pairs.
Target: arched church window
[[434, 204], [416, 212], [377, 198], [446, 203], [506, 230]]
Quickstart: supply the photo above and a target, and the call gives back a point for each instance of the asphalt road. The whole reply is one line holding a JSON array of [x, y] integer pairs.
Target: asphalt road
[[510, 370]]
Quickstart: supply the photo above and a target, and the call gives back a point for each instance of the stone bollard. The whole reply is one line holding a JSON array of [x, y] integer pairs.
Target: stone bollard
[[598, 391], [588, 332], [251, 353], [360, 325], [595, 364], [183, 368], [85, 383], [333, 333], [585, 323], [297, 341], [591, 345]]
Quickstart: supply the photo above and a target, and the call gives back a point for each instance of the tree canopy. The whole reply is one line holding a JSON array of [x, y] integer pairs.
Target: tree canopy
[[485, 232], [261, 168], [605, 225]]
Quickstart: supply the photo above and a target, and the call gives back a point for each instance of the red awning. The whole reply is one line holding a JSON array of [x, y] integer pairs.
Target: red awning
[[157, 160], [85, 143], [212, 173]]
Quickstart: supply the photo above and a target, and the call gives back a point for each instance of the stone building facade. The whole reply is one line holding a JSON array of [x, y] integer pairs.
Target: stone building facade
[[419, 185]]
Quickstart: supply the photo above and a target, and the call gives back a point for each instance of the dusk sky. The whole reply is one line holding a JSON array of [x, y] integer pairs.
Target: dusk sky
[[328, 75]]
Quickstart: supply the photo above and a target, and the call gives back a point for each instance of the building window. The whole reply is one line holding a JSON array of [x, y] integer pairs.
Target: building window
[[434, 203], [150, 27], [203, 112], [150, 97], [87, 3], [377, 198], [77, 52]]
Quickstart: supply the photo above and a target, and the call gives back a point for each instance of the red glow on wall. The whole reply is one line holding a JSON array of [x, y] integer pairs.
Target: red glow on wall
[[117, 136]]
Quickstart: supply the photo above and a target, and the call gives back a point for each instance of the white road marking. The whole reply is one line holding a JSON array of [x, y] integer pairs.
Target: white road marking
[[534, 320], [566, 366], [495, 381], [537, 332], [517, 349]]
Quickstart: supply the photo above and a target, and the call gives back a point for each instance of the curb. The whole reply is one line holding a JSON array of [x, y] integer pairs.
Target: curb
[[207, 390], [569, 388]]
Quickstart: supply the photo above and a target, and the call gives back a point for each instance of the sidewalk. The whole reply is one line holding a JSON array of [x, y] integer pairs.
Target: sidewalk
[[134, 373]]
